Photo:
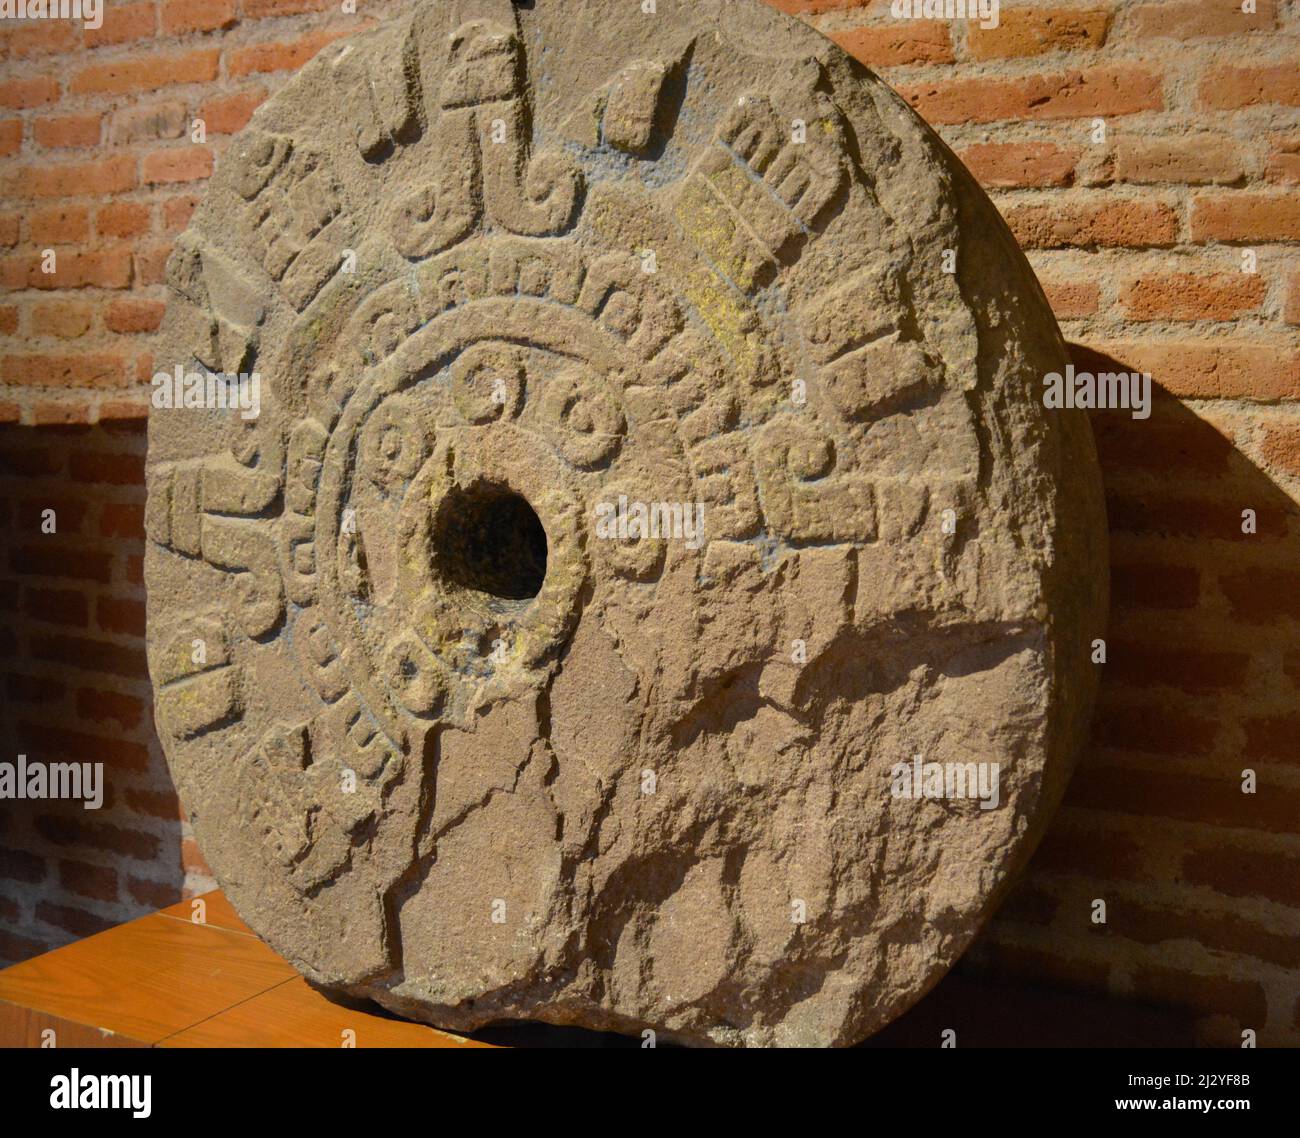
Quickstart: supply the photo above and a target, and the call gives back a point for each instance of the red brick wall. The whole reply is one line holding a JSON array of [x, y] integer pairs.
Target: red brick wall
[[76, 689], [1138, 238]]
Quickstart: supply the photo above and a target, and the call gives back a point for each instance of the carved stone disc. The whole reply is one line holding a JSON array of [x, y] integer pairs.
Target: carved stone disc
[[649, 463]]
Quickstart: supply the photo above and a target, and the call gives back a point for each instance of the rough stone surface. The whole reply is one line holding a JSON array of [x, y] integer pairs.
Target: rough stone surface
[[449, 747]]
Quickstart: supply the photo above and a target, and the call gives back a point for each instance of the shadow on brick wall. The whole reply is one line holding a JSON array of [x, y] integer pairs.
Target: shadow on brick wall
[[76, 688], [1201, 882]]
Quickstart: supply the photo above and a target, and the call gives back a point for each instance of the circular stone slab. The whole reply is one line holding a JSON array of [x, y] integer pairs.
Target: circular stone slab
[[642, 587]]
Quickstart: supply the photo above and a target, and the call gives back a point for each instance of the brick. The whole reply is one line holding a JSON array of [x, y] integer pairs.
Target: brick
[[1195, 670], [192, 858], [1284, 162], [122, 219], [122, 24], [59, 744], [1215, 369], [1080, 851], [15, 948], [154, 804], [20, 865], [8, 319], [122, 519], [151, 264], [119, 615], [33, 689], [79, 922], [11, 137], [1033, 31], [1275, 738], [1185, 19], [1246, 217], [68, 131], [58, 225], [146, 73], [177, 212], [108, 706], [90, 655], [1281, 447], [1199, 159], [1154, 730], [1291, 313], [108, 468], [1027, 905], [1072, 299], [1015, 164], [29, 514], [36, 463], [91, 369], [1242, 1000], [130, 316], [1184, 797], [61, 412], [898, 43], [65, 319], [815, 7], [72, 179], [1154, 586], [22, 94], [1222, 932], [1227, 88], [181, 16], [98, 268], [1089, 224], [280, 56], [99, 882], [260, 9], [118, 412], [1181, 446], [147, 123], [1015, 962], [41, 37], [227, 114], [184, 164], [1105, 91], [152, 893], [1262, 595], [1166, 515], [51, 559], [1274, 876], [1193, 296]]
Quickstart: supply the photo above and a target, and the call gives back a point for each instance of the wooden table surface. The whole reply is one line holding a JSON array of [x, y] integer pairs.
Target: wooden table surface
[[187, 976]]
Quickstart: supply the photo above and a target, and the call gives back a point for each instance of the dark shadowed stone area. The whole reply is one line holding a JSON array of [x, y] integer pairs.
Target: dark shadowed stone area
[[455, 735]]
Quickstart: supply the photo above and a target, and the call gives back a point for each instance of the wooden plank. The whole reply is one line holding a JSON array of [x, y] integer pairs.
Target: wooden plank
[[294, 1014], [26, 1027], [217, 911], [147, 979]]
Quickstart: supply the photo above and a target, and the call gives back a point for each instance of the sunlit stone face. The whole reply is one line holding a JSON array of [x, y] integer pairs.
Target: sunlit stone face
[[649, 493]]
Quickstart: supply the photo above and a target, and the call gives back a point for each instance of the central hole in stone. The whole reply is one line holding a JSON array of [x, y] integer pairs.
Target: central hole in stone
[[489, 539]]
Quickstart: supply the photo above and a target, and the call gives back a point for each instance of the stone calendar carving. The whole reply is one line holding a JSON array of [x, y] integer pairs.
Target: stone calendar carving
[[649, 465]]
